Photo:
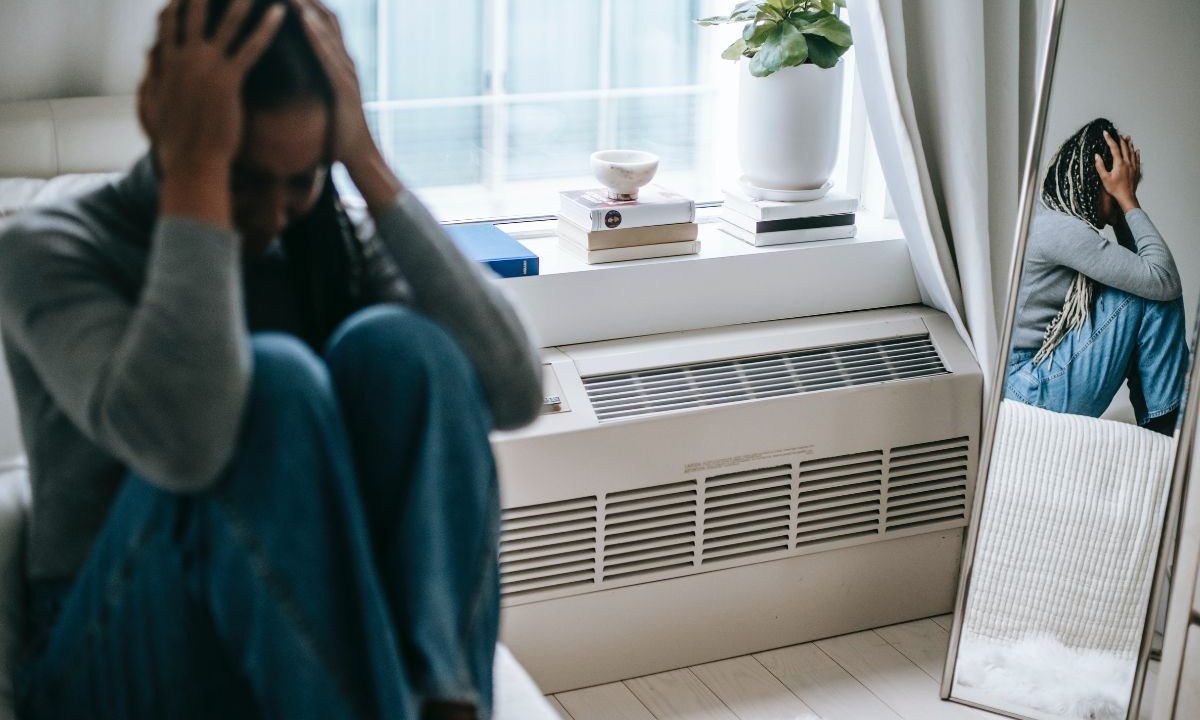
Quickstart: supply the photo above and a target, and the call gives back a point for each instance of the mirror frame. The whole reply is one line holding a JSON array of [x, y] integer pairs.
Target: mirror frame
[[1033, 155], [1181, 443]]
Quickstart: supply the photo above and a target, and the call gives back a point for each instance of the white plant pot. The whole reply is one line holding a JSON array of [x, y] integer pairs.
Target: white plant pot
[[788, 127]]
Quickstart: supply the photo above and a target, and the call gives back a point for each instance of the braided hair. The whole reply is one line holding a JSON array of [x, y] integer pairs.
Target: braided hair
[[1073, 186]]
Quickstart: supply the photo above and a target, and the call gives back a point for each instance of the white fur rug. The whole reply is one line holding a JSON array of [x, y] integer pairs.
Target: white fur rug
[[1041, 674]]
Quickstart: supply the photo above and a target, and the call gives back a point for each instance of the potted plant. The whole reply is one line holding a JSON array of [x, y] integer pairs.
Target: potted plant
[[790, 93]]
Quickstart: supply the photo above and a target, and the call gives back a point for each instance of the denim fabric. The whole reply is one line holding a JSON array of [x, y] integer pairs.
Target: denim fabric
[[344, 567], [1125, 338]]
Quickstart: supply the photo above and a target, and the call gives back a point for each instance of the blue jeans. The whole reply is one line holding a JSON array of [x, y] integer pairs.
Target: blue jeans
[[345, 566], [1125, 338]]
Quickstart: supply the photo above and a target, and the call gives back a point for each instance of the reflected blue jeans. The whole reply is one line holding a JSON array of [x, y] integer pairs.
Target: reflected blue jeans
[[344, 567], [1125, 338]]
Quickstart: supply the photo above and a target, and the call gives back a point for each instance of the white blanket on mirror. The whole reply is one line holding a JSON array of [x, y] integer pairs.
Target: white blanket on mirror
[[1040, 677], [1069, 530]]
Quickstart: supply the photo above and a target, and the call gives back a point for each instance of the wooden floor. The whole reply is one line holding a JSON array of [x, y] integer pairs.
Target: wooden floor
[[890, 673]]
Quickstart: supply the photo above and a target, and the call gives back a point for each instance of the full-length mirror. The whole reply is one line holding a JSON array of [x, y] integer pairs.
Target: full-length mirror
[[1056, 615]]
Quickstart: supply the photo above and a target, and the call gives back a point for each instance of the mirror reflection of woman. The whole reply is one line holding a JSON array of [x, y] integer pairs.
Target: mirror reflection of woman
[[1092, 314]]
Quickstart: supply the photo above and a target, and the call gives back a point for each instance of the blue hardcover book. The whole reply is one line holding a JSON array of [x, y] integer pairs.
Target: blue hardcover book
[[495, 248]]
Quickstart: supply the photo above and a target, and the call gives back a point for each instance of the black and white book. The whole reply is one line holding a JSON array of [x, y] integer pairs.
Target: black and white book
[[785, 237], [810, 222]]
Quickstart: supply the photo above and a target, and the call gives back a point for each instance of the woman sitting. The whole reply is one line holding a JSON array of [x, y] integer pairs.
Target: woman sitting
[[1092, 314], [258, 435]]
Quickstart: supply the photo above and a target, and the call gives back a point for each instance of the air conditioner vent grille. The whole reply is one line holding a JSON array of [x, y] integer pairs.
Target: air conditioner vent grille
[[738, 515], [928, 484], [839, 498], [545, 547], [746, 513], [650, 530], [625, 395]]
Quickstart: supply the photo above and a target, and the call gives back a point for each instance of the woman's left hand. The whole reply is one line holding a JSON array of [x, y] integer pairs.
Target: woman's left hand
[[353, 144]]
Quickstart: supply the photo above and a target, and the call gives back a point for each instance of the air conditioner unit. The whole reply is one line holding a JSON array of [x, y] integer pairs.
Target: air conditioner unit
[[712, 493]]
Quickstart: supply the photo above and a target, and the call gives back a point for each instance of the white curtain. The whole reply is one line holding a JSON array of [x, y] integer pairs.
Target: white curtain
[[946, 84]]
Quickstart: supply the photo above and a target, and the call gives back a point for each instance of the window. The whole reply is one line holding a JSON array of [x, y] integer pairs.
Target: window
[[488, 108]]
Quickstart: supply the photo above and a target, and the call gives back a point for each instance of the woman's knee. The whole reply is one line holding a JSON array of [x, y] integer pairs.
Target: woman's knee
[[292, 421], [399, 341], [289, 387], [283, 365]]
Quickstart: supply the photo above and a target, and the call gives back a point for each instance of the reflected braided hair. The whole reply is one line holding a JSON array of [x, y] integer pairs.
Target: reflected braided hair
[[1073, 186]]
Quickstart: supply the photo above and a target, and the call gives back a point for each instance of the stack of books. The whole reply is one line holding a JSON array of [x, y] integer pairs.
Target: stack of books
[[771, 222], [596, 229]]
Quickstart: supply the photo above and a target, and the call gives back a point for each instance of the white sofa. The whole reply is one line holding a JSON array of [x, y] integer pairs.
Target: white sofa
[[52, 148]]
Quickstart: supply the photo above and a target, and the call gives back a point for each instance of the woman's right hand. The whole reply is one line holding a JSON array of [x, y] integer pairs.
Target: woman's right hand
[[1122, 180], [190, 103]]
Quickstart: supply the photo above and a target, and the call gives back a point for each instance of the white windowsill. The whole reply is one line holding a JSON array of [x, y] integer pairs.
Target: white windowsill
[[729, 282]]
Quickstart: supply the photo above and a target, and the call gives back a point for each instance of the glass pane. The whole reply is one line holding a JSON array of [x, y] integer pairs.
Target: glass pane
[[654, 43], [553, 45], [665, 126], [432, 146], [550, 139], [358, 25], [433, 49]]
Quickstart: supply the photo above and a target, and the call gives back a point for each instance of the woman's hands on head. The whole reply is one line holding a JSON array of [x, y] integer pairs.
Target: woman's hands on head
[[190, 105], [1122, 180], [353, 144]]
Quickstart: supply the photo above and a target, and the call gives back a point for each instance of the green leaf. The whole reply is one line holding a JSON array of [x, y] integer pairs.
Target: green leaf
[[745, 10], [734, 51], [830, 28], [823, 53], [784, 47], [756, 33]]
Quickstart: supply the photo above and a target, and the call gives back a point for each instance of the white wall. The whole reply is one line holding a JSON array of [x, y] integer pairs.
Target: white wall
[[1137, 64], [69, 48]]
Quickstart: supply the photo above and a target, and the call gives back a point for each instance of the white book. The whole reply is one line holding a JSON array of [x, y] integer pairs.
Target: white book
[[813, 222], [637, 252], [785, 237], [626, 237], [832, 204], [593, 210]]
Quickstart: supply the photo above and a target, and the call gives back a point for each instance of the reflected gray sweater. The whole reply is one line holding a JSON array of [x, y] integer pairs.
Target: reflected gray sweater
[[1061, 245], [127, 339]]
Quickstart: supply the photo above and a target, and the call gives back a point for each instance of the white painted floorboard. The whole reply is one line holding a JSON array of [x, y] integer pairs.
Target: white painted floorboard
[[922, 641], [679, 695], [558, 708], [893, 678], [751, 691], [604, 702], [891, 673]]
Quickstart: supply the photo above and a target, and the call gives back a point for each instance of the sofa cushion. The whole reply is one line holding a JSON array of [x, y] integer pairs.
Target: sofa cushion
[[16, 193]]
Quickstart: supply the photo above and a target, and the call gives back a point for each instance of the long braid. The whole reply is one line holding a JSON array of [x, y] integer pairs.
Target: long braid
[[1073, 186]]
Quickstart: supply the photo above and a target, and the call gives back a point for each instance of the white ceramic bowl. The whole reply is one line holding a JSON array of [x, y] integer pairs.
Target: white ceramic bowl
[[624, 172]]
